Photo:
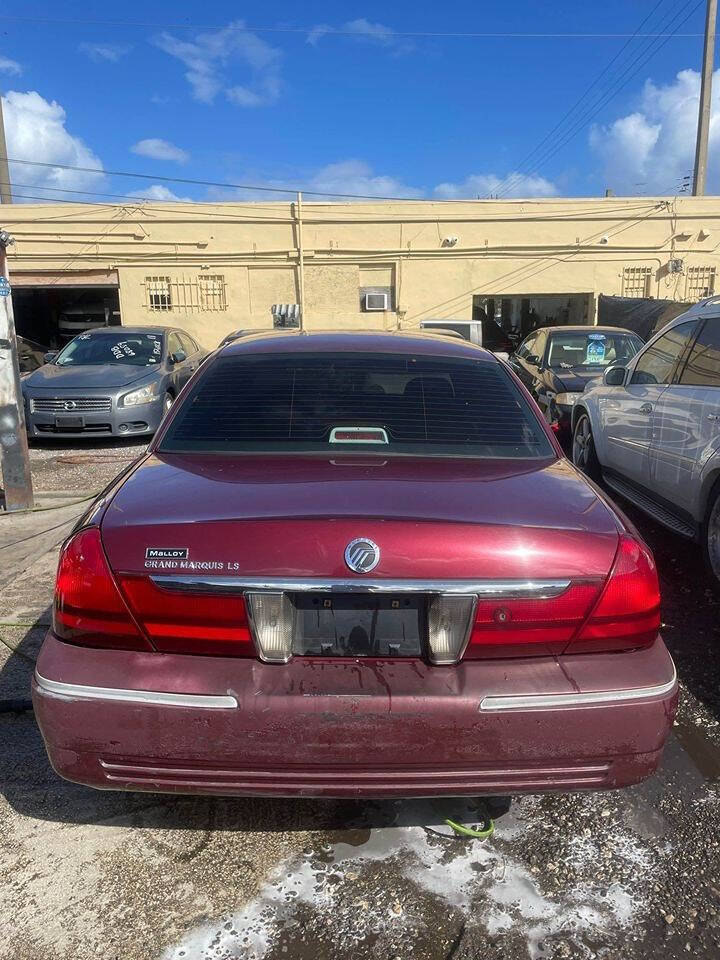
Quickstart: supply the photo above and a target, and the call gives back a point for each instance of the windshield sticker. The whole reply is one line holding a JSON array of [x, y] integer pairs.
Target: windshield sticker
[[84, 336], [157, 346], [596, 351], [596, 336]]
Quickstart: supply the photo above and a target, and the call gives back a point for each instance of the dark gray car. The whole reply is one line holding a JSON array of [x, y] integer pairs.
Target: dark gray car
[[117, 381]]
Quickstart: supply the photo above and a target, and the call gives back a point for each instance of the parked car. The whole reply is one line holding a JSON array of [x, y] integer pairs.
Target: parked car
[[651, 429], [31, 355], [354, 565], [110, 382], [557, 363]]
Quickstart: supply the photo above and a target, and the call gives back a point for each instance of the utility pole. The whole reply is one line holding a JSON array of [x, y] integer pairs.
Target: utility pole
[[5, 192], [17, 481], [701, 149], [301, 259]]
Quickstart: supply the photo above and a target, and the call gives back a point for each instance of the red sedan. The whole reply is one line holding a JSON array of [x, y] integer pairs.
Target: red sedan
[[354, 565]]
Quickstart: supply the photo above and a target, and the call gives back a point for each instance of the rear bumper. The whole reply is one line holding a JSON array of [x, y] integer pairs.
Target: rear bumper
[[352, 728]]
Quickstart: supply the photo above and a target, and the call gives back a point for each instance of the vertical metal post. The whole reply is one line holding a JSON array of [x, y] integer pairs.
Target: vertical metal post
[[701, 147], [17, 481], [5, 192], [301, 259]]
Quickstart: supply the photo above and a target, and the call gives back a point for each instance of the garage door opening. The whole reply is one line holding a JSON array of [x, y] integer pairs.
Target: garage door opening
[[51, 313], [521, 314]]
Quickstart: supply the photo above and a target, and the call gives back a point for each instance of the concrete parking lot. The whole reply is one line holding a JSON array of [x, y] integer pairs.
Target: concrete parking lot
[[633, 874]]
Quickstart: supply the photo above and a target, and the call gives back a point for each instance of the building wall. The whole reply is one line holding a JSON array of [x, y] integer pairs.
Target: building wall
[[509, 248]]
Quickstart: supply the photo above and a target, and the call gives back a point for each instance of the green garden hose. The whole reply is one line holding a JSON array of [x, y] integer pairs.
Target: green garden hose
[[487, 831]]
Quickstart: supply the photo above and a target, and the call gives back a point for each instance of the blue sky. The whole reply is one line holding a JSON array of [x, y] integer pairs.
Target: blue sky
[[339, 98]]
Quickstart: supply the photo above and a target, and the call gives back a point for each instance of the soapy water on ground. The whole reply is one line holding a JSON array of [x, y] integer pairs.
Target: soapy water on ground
[[485, 882]]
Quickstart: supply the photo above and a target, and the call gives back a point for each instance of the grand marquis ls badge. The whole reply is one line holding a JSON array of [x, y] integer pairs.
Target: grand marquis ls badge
[[362, 555]]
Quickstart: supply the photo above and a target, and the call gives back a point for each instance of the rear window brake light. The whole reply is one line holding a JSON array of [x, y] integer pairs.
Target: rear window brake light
[[358, 435]]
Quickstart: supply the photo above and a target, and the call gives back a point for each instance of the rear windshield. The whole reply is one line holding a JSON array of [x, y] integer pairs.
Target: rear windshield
[[398, 404]]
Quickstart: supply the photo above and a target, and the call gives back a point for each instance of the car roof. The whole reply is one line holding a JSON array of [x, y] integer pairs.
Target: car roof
[[356, 341], [583, 328], [137, 328]]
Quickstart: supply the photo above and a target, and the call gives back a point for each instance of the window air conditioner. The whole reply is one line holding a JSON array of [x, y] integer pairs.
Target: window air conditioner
[[376, 301]]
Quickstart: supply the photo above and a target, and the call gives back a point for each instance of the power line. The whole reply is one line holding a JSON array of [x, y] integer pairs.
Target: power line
[[608, 95], [205, 183], [332, 31], [577, 103]]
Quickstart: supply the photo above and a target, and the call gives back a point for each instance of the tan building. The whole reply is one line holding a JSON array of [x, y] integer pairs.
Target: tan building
[[213, 268]]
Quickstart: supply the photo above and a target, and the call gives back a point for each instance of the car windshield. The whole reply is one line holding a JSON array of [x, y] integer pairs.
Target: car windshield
[[578, 349], [131, 349], [340, 403]]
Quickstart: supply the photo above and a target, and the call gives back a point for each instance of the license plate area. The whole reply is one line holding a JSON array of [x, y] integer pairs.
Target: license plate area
[[358, 625], [69, 423]]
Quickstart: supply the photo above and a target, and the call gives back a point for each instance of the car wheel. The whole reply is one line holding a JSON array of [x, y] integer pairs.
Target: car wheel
[[167, 402], [711, 534], [583, 448]]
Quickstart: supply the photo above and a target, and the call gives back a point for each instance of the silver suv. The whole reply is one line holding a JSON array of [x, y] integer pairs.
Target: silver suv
[[651, 429]]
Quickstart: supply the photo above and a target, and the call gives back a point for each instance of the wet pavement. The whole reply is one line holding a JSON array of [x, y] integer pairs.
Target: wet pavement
[[622, 875]]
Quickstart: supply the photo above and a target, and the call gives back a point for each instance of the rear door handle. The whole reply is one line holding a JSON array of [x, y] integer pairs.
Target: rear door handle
[[646, 408]]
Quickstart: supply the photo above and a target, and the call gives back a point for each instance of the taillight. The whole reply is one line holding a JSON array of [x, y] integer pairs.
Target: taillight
[[88, 608], [621, 614], [520, 626], [189, 622], [627, 615]]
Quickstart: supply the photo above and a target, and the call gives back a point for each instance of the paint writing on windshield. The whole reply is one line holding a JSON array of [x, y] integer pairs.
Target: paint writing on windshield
[[122, 349]]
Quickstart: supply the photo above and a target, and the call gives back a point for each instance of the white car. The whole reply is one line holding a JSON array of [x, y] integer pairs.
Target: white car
[[651, 430]]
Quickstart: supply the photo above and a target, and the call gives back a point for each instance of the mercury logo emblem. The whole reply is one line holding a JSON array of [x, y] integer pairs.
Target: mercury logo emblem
[[362, 555], [69, 404]]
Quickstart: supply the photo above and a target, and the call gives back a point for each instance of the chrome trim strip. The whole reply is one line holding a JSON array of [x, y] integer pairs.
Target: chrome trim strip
[[505, 589], [545, 701], [73, 691]]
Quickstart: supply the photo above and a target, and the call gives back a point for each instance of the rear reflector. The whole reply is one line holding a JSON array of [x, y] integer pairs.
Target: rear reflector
[[272, 620], [189, 622], [449, 620], [552, 621], [627, 615], [88, 608]]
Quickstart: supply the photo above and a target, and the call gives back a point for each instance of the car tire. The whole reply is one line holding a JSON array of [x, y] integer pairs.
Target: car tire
[[711, 534], [168, 401], [584, 455]]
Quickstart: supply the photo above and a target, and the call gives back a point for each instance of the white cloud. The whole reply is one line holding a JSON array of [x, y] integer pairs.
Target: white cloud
[[160, 150], [210, 59], [512, 185], [653, 148], [10, 66], [104, 51], [362, 30], [357, 176], [35, 130], [159, 192], [336, 179]]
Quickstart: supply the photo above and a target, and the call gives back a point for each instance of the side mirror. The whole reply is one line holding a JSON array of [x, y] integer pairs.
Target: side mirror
[[614, 376], [533, 360], [50, 356], [178, 356]]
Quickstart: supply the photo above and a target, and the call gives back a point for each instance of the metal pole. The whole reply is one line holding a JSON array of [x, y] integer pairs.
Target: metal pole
[[17, 481], [701, 149], [5, 192], [301, 260]]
